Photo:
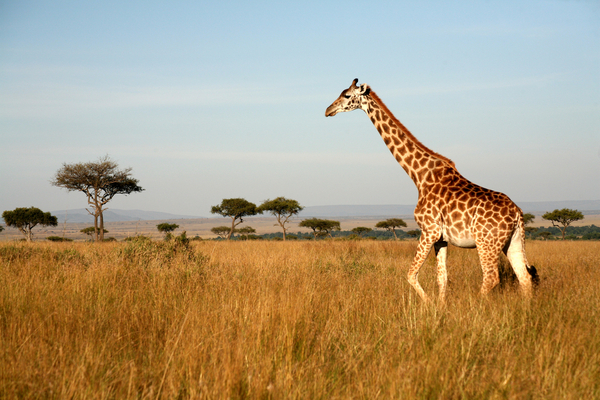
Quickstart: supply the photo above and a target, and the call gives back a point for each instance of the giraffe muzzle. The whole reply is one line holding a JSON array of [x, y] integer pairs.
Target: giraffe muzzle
[[330, 112]]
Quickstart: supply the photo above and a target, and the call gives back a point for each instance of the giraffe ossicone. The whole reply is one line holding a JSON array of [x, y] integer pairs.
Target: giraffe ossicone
[[450, 208]]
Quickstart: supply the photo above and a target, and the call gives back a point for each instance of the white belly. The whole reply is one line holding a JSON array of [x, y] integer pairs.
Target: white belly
[[464, 239]]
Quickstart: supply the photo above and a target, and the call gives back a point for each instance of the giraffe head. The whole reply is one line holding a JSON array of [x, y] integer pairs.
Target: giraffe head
[[349, 100]]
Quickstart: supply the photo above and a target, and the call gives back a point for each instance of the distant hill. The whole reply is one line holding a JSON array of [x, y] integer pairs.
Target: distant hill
[[357, 211], [387, 210], [113, 215]]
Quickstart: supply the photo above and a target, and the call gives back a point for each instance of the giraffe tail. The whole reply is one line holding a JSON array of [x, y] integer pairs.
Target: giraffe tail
[[535, 278]]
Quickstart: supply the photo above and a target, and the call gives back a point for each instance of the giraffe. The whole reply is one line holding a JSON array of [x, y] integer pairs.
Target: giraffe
[[450, 209]]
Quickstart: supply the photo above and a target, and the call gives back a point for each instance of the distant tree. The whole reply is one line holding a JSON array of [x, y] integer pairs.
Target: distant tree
[[320, 227], [282, 209], [528, 219], [100, 181], [563, 217], [391, 224], [545, 234], [1, 228], [414, 233], [236, 209], [246, 232], [361, 230], [90, 230], [167, 228], [221, 231], [58, 239], [25, 219]]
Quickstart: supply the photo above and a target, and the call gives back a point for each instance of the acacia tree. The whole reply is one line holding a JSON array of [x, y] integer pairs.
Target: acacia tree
[[360, 230], [25, 219], [90, 230], [100, 181], [245, 232], [167, 228], [282, 209], [320, 227], [414, 233], [221, 231], [391, 224], [236, 209], [563, 217], [527, 219]]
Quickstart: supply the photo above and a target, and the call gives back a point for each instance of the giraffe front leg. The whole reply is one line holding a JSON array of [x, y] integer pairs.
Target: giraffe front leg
[[425, 243], [441, 250]]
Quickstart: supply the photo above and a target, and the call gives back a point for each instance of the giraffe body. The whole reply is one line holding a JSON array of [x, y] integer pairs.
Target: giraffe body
[[450, 208]]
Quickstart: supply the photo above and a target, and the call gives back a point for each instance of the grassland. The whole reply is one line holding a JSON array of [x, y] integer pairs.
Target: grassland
[[318, 320]]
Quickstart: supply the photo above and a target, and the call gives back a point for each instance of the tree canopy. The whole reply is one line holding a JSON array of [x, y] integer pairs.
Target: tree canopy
[[563, 218], [221, 231], [282, 209], [391, 224], [100, 181], [167, 228], [320, 227], [25, 219], [360, 230], [528, 219], [236, 209]]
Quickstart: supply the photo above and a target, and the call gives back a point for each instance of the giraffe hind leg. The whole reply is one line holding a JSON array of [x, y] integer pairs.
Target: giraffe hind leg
[[488, 258], [441, 249]]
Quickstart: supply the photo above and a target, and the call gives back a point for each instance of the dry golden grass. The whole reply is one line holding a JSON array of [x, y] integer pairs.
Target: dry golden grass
[[331, 319]]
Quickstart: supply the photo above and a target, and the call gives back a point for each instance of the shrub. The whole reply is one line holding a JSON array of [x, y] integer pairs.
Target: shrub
[[58, 239]]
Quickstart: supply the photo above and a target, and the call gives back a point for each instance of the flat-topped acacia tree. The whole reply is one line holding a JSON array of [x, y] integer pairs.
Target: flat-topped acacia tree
[[167, 228], [320, 227], [25, 219], [100, 181], [563, 217], [236, 209], [283, 209], [391, 224]]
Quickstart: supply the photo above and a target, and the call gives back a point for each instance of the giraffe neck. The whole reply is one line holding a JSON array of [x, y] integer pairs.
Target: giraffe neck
[[418, 161]]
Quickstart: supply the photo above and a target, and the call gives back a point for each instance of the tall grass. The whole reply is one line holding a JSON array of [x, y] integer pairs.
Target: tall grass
[[330, 319]]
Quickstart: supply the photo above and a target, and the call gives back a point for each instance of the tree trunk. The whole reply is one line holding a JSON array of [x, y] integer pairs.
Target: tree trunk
[[96, 226], [26, 232], [232, 228], [283, 228], [101, 228]]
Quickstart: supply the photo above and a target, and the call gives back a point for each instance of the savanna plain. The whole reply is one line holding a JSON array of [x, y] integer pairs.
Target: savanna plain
[[330, 319]]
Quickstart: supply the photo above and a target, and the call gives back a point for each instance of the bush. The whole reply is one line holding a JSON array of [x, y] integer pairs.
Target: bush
[[137, 238], [141, 250], [58, 239]]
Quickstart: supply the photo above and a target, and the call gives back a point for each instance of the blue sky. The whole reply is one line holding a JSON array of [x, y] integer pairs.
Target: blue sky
[[212, 100]]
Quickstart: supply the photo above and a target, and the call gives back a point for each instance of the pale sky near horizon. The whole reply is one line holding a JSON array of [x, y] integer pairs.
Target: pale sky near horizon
[[213, 100]]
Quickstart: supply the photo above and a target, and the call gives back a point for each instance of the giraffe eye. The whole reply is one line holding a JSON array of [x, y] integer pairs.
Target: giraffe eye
[[347, 96]]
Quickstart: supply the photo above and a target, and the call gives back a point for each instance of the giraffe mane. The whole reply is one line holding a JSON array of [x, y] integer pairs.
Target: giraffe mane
[[406, 131]]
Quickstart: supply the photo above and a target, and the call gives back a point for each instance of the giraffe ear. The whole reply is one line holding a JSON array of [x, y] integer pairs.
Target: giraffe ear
[[365, 89]]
